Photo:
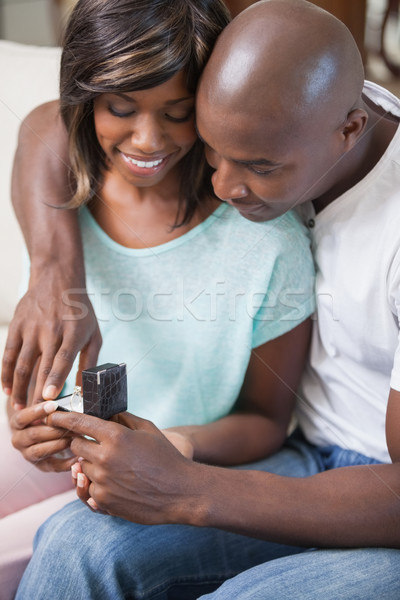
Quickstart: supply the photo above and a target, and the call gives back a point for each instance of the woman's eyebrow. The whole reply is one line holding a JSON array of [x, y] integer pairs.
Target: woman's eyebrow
[[168, 102], [124, 96]]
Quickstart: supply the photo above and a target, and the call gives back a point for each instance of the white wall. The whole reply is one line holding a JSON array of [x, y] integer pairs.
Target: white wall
[[27, 21]]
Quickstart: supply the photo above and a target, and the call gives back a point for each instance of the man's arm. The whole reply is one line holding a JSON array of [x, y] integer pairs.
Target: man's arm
[[347, 507], [44, 329], [137, 474], [392, 425]]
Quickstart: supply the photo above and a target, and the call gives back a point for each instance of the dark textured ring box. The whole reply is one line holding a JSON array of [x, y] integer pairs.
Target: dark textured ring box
[[104, 390]]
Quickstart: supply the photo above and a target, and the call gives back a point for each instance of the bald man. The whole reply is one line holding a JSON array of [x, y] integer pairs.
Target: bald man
[[286, 123]]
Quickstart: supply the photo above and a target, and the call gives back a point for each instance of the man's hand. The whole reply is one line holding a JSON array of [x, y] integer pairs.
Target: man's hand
[[39, 442], [132, 470], [52, 322], [175, 435], [50, 326]]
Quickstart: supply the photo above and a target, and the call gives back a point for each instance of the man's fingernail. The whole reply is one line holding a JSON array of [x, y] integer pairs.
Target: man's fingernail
[[50, 392], [18, 406], [7, 391], [50, 406], [81, 480]]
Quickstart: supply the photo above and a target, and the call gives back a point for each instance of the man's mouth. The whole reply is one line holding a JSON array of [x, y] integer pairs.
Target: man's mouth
[[243, 204]]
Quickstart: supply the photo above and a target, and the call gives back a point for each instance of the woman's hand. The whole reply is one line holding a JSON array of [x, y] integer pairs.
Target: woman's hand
[[82, 483], [39, 442], [181, 441]]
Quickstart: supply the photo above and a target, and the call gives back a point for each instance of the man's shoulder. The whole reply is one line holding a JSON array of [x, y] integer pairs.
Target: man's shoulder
[[382, 97]]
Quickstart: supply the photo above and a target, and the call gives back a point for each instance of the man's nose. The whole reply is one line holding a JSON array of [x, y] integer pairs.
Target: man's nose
[[225, 186]]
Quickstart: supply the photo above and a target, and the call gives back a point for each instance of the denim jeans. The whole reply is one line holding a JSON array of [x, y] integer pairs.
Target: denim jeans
[[80, 555]]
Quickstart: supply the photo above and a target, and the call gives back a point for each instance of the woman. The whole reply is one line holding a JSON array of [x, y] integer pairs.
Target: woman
[[195, 299]]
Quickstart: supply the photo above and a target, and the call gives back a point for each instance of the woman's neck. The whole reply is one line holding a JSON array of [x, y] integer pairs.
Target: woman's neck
[[143, 217]]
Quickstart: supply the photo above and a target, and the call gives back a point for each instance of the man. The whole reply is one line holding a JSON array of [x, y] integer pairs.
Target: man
[[286, 123]]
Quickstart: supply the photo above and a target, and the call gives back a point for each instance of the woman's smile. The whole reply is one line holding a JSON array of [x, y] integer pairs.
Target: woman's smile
[[143, 166]]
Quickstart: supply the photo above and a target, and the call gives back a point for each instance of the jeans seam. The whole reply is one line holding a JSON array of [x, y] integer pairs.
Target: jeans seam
[[183, 580]]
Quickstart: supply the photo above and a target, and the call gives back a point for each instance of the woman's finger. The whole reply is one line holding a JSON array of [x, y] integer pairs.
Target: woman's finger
[[27, 416], [44, 451]]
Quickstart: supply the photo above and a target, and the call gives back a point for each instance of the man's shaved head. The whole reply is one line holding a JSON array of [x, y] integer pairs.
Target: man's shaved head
[[285, 51], [279, 105]]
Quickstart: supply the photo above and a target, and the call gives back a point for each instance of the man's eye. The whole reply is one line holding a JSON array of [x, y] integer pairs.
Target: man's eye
[[261, 171], [119, 113]]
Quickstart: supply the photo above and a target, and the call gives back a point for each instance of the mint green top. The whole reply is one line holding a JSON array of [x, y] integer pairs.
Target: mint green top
[[185, 315]]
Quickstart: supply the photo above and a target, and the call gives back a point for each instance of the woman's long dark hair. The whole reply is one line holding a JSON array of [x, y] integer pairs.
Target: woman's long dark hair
[[126, 46]]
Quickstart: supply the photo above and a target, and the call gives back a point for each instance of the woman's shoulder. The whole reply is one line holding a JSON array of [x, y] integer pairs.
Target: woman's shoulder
[[287, 229]]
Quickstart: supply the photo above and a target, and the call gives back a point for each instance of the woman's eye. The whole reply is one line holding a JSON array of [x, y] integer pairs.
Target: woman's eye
[[180, 118], [119, 113]]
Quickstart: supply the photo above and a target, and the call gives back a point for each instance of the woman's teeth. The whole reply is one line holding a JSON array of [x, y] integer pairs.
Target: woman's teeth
[[143, 164]]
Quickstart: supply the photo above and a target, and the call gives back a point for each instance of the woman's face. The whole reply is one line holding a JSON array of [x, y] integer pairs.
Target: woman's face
[[145, 134]]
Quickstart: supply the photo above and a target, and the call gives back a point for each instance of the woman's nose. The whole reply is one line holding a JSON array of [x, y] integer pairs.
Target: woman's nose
[[148, 135]]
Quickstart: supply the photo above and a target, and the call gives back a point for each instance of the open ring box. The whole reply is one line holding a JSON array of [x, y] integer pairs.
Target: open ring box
[[104, 392]]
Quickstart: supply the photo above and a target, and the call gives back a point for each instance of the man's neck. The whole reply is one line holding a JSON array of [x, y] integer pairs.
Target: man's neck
[[360, 161]]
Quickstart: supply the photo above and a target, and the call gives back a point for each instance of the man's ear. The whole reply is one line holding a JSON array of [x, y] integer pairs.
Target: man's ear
[[353, 127]]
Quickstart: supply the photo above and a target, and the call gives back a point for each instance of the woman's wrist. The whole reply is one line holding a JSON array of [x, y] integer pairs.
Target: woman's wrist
[[180, 440]]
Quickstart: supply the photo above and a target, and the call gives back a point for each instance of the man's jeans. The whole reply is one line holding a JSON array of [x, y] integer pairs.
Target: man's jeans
[[80, 555]]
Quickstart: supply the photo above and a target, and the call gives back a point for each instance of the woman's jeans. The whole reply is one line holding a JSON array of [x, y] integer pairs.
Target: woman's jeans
[[80, 555]]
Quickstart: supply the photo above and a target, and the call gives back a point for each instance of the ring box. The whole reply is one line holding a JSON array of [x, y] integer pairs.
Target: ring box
[[104, 392]]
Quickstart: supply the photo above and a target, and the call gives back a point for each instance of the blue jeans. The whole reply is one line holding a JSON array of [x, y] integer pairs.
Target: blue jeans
[[80, 555]]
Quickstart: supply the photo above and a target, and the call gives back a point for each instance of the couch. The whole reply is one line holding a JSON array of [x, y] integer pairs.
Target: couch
[[29, 76]]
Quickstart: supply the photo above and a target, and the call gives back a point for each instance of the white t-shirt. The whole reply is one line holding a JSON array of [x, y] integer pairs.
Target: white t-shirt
[[355, 354]]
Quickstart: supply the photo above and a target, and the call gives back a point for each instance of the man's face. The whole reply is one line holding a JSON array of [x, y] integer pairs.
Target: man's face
[[264, 166]]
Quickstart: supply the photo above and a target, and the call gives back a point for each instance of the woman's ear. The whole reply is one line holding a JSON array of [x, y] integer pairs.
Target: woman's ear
[[353, 127]]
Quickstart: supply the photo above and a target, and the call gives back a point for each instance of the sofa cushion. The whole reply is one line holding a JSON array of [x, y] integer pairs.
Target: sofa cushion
[[29, 76]]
